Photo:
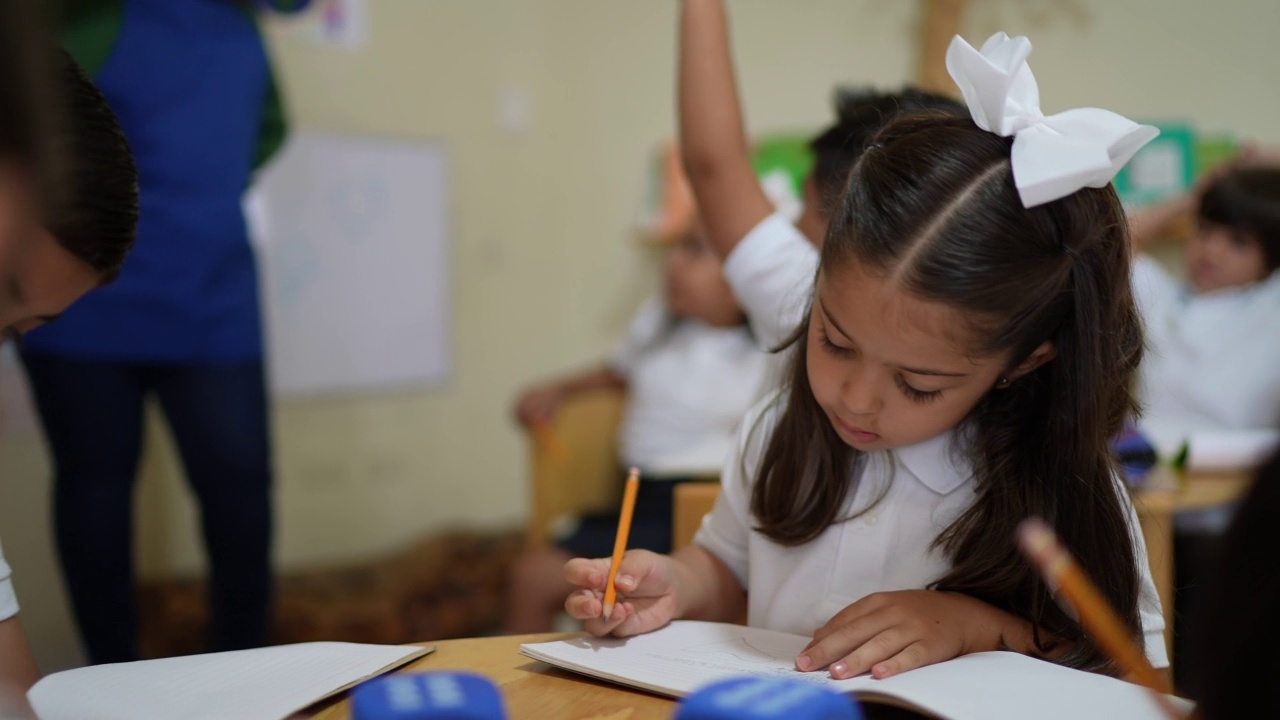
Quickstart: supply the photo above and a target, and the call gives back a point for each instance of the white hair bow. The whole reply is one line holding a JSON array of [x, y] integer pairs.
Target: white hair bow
[[1052, 156]]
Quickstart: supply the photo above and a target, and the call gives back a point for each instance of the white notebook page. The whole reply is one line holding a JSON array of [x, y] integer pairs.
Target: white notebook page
[[262, 684]]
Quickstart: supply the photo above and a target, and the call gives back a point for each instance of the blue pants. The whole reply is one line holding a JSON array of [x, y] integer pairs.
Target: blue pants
[[92, 413]]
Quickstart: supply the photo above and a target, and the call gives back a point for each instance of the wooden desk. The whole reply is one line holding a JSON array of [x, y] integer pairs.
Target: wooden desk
[[1156, 506], [533, 689], [530, 689]]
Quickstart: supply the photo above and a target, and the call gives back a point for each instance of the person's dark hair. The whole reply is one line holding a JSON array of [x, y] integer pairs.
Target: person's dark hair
[[860, 112], [1247, 201], [1239, 624], [91, 208], [932, 206], [26, 97]]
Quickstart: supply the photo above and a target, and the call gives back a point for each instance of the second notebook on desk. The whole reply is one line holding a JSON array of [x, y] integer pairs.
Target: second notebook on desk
[[686, 655]]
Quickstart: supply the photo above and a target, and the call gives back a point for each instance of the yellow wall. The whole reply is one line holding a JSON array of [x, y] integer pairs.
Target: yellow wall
[[545, 274]]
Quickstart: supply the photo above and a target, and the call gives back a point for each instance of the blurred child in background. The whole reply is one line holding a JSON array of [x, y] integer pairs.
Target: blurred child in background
[[691, 369]]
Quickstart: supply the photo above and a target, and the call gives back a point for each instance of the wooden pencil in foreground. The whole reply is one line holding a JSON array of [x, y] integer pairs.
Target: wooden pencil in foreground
[[1064, 575], [620, 542]]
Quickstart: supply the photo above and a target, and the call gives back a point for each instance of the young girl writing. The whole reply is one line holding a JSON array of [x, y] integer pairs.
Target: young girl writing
[[964, 363], [691, 370]]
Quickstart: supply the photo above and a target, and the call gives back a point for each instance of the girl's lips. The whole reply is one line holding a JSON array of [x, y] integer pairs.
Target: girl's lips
[[856, 432]]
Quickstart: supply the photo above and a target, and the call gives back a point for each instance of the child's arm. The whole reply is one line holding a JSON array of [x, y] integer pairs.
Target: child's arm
[[539, 404], [653, 590], [713, 141], [1150, 224], [18, 671]]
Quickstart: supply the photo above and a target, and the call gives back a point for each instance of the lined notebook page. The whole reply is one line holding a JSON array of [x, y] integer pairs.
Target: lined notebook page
[[263, 684], [686, 655]]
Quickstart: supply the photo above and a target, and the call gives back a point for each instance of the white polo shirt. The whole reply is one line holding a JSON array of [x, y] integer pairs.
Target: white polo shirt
[[771, 273], [8, 600], [688, 386], [1213, 359], [926, 487]]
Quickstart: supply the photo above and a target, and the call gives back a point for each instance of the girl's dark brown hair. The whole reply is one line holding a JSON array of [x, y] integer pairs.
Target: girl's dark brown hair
[[932, 205]]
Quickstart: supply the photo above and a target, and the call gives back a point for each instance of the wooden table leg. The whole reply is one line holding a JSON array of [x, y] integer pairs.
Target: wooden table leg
[[1157, 531]]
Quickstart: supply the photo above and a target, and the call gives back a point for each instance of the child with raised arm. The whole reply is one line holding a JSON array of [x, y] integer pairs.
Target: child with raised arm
[[691, 370], [769, 262], [965, 361]]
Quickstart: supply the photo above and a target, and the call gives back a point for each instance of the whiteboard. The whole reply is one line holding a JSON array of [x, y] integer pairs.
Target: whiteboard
[[352, 237]]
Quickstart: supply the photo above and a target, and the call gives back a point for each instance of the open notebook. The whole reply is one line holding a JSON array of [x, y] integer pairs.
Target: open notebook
[[686, 655], [264, 684]]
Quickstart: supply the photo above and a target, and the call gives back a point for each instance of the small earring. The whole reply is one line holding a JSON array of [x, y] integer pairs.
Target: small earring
[[1004, 382]]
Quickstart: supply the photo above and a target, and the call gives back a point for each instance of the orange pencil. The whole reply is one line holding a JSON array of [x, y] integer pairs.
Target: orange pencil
[[620, 542], [1065, 576]]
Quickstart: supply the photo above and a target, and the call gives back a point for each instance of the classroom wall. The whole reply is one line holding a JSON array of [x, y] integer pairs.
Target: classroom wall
[[545, 264]]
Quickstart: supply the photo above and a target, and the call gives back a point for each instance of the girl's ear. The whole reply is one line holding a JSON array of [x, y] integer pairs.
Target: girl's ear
[[1041, 355]]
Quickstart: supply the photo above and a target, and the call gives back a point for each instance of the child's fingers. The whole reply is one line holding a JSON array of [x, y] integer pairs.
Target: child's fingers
[[840, 640], [584, 605], [849, 614], [881, 647], [909, 658], [587, 573], [633, 623], [636, 567], [597, 625]]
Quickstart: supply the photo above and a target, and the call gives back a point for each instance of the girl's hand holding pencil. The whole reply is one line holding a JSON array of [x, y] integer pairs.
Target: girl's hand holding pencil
[[628, 594], [646, 593]]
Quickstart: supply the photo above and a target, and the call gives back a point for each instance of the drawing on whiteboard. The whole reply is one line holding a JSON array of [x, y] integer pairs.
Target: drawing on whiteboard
[[298, 263], [353, 237], [357, 204]]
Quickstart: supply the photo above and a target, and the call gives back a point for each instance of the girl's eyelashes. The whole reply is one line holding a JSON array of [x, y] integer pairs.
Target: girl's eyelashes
[[916, 395], [831, 347], [920, 396]]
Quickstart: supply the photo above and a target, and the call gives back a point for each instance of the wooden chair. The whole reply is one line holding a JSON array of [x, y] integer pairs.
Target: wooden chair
[[575, 463], [692, 501], [575, 470]]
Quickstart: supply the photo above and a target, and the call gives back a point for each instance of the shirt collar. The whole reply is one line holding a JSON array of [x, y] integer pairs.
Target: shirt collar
[[938, 462]]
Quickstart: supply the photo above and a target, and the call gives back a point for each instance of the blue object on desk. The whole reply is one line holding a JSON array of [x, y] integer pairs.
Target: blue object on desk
[[428, 696], [767, 699], [1136, 454]]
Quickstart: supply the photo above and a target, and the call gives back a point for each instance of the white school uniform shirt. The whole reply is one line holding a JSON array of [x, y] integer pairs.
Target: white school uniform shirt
[[688, 386], [771, 273], [798, 589], [1213, 359], [8, 600]]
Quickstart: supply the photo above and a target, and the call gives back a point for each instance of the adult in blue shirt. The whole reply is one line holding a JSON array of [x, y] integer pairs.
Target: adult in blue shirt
[[191, 83]]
